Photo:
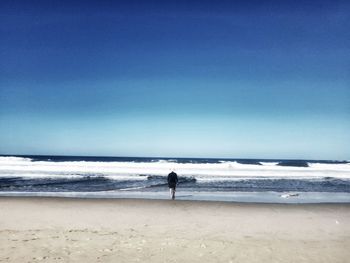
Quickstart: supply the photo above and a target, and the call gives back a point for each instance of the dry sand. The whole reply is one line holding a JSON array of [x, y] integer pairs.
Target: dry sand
[[101, 230]]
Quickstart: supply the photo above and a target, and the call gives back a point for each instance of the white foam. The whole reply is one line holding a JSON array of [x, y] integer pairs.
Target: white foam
[[269, 163], [126, 177], [14, 160], [327, 166], [17, 166]]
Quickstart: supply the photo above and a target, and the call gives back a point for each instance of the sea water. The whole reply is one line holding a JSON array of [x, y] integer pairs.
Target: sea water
[[243, 180]]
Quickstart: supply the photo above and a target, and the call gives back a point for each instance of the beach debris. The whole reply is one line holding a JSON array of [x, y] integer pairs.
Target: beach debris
[[289, 195], [337, 222]]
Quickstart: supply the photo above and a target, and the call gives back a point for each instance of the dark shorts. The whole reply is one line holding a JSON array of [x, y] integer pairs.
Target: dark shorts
[[172, 186]]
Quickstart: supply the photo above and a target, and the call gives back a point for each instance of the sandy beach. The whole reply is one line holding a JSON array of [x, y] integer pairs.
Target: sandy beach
[[107, 230]]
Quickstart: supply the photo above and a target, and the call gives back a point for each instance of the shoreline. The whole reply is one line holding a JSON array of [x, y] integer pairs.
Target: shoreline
[[165, 201], [234, 197]]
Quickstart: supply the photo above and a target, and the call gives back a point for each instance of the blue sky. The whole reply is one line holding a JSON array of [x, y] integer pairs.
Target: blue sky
[[176, 78]]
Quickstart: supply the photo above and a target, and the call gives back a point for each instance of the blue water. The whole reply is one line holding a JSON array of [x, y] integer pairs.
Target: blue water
[[74, 174]]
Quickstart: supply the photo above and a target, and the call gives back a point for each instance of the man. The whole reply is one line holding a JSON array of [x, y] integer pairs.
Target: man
[[172, 182]]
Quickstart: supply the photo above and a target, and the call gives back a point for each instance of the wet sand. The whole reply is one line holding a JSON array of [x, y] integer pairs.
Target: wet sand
[[117, 230]]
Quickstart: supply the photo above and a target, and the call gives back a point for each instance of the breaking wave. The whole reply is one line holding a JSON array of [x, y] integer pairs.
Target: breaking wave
[[91, 174]]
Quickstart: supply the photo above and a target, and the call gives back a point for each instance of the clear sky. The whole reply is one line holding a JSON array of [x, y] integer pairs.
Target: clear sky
[[264, 79]]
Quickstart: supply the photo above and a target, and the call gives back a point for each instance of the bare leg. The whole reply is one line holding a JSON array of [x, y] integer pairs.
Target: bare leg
[[173, 193]]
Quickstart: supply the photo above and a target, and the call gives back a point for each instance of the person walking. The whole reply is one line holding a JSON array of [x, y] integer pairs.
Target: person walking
[[172, 182]]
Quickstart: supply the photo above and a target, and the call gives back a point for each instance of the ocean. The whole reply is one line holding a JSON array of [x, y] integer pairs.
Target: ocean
[[241, 180]]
